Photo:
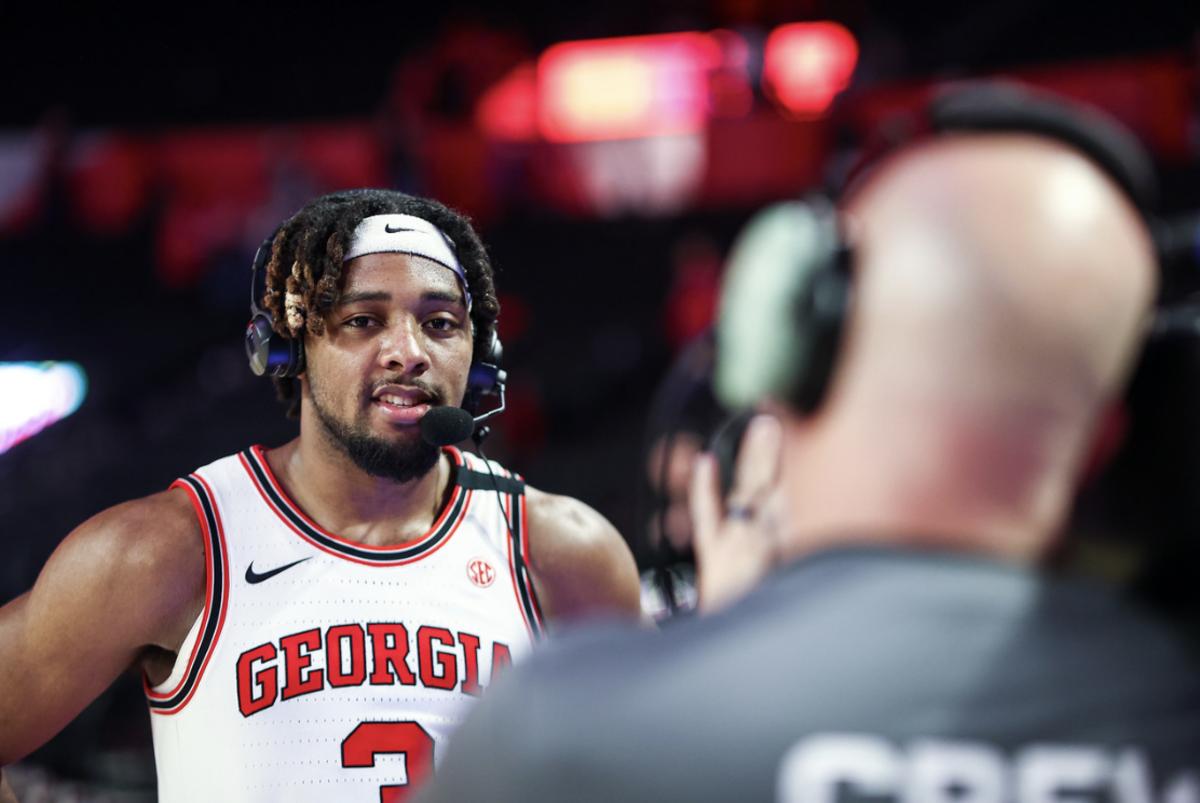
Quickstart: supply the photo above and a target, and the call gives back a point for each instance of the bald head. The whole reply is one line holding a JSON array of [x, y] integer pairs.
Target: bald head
[[1002, 286], [999, 270]]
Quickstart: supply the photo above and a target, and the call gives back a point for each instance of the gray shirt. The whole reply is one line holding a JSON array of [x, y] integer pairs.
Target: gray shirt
[[894, 676]]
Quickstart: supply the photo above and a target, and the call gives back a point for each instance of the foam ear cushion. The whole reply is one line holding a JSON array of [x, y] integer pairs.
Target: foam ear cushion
[[767, 344]]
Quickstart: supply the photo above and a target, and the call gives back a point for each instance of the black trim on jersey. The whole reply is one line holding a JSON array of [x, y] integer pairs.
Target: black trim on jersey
[[473, 480], [284, 506], [214, 609], [529, 602]]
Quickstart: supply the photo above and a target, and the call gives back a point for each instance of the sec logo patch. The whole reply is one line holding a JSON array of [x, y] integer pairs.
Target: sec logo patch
[[481, 572]]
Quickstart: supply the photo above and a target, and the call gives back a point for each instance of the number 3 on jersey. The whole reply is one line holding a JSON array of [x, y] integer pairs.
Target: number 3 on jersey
[[409, 739]]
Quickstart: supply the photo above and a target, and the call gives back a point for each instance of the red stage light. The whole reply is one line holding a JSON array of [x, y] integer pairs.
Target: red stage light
[[508, 110], [806, 64], [638, 86]]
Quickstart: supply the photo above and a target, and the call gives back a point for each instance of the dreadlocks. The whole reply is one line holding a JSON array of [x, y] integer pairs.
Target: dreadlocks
[[304, 274]]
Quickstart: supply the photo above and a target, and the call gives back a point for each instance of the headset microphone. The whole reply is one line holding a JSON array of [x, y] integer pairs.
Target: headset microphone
[[444, 426]]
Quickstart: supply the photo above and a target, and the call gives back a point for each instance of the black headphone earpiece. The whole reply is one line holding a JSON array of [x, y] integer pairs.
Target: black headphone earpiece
[[784, 307], [819, 313], [486, 377], [269, 353]]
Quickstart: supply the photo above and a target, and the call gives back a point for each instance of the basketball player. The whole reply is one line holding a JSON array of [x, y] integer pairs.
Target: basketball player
[[892, 638], [312, 620]]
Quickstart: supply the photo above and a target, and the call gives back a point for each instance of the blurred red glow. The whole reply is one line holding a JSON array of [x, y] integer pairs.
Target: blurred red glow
[[109, 178], [508, 110], [806, 64], [625, 88], [730, 94]]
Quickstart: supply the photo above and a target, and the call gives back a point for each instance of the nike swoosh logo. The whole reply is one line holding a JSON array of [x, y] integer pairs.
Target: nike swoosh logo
[[388, 228], [254, 577]]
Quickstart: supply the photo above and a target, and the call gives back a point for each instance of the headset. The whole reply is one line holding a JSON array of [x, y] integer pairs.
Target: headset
[[789, 289], [272, 354]]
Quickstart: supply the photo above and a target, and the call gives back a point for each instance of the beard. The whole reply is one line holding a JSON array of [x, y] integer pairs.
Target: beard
[[399, 461]]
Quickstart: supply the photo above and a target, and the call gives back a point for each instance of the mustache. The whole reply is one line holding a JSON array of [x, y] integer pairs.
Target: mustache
[[435, 396]]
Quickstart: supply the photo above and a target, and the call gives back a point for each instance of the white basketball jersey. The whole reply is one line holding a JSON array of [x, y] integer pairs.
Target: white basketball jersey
[[323, 669]]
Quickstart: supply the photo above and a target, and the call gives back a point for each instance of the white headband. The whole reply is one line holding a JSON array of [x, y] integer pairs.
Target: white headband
[[406, 234]]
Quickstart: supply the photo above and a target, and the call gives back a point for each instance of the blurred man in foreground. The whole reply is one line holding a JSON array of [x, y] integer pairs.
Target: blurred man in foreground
[[884, 630]]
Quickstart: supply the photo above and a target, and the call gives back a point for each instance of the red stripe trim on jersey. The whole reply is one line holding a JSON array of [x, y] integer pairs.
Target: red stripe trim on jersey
[[254, 462], [216, 599]]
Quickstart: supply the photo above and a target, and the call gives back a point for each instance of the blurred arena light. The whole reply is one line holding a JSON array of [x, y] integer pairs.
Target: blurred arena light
[[805, 65], [508, 110], [625, 88], [34, 395]]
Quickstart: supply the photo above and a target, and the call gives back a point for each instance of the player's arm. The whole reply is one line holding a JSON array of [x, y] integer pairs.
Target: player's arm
[[580, 564], [122, 589]]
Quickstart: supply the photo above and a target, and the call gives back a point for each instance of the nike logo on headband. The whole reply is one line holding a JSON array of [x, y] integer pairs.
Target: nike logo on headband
[[388, 228]]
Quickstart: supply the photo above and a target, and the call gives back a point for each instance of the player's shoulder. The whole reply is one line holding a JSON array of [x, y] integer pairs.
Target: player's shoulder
[[567, 519], [581, 564], [141, 560], [568, 530], [156, 535]]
